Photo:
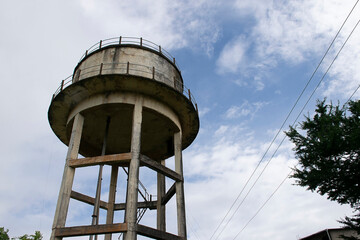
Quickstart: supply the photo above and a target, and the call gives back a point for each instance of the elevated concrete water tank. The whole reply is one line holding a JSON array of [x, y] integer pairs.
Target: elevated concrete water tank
[[124, 105]]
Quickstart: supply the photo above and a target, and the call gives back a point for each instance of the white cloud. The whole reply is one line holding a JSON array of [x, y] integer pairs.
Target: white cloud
[[295, 32], [203, 111], [218, 171], [173, 25], [246, 109], [42, 43], [232, 56]]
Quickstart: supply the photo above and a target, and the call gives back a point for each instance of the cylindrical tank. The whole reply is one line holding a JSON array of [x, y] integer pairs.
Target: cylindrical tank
[[104, 84]]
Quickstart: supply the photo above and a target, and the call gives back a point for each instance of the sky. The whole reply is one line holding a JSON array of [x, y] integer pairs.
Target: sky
[[245, 61]]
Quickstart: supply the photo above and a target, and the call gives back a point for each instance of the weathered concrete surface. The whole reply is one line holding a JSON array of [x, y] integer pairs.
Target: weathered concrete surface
[[143, 63], [141, 92], [166, 111], [68, 177]]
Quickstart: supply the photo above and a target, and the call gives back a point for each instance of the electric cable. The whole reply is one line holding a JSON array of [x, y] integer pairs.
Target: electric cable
[[287, 117], [191, 229], [351, 96], [263, 205], [194, 220], [283, 181], [302, 111], [287, 176]]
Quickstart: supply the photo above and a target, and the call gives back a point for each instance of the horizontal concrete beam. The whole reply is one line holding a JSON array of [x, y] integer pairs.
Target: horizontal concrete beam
[[90, 230], [149, 204], [87, 199], [115, 159], [156, 234], [154, 165]]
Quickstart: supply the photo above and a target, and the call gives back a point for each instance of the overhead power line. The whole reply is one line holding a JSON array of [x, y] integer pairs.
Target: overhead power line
[[283, 181], [296, 121], [280, 129], [351, 96]]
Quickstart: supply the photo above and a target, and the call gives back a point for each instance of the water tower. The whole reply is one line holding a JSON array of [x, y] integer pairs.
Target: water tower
[[124, 106]]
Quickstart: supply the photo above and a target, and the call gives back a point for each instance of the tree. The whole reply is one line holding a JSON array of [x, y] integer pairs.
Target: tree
[[4, 234], [36, 236], [328, 150]]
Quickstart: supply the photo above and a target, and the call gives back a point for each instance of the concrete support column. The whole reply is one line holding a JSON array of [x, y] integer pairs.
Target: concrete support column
[[111, 202], [161, 214], [179, 186], [133, 181], [68, 176]]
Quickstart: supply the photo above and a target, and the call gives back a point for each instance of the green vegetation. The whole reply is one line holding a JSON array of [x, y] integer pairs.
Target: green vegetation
[[4, 235], [328, 150]]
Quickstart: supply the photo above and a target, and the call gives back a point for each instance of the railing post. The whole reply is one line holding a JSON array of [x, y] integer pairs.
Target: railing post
[[174, 60], [101, 67], [127, 68], [100, 43], [196, 108], [62, 85], [86, 53], [141, 41], [153, 73], [53, 97], [189, 95], [120, 40], [160, 49]]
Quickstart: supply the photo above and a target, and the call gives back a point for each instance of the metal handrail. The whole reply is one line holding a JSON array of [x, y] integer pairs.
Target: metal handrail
[[100, 68], [129, 41]]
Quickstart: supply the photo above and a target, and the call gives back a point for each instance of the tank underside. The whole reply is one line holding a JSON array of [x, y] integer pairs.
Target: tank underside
[[165, 111]]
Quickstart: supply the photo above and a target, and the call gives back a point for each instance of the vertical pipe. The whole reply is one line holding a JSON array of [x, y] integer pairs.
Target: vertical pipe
[[153, 73], [120, 40], [127, 68], [161, 214], [68, 176], [77, 75], [141, 41], [95, 216], [111, 202], [101, 67], [179, 186], [133, 181], [100, 43]]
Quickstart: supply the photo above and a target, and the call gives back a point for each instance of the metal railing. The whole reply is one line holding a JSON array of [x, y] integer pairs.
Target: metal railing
[[129, 41], [129, 69]]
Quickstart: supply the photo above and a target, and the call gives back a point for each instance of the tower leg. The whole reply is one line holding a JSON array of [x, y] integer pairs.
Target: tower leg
[[132, 187], [68, 176], [161, 216], [179, 186]]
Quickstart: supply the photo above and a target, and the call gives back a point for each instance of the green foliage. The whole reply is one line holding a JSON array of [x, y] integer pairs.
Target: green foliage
[[329, 154], [36, 236], [4, 234]]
